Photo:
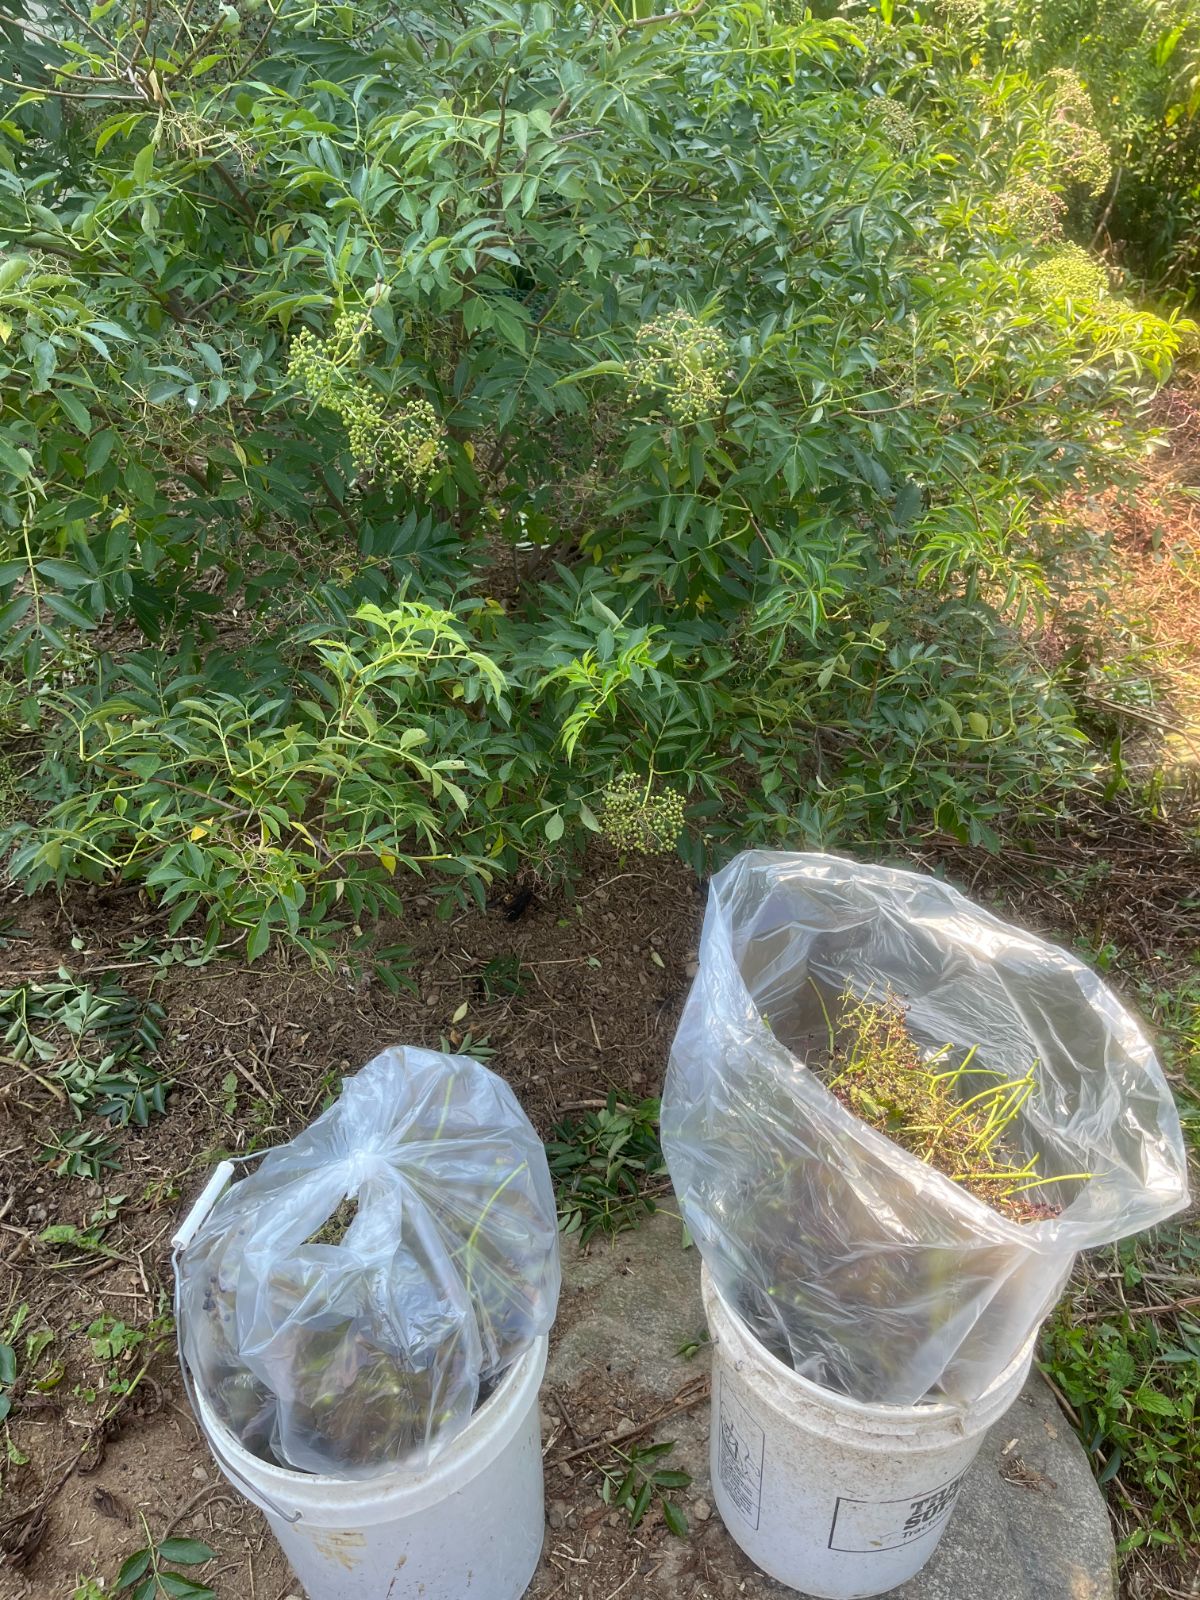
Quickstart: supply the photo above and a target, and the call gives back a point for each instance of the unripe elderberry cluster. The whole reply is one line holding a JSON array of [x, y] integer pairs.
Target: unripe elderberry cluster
[[635, 816], [682, 362], [402, 443]]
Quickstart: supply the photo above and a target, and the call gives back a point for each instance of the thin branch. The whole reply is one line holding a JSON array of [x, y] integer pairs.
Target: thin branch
[[1107, 212], [663, 16], [682, 1402], [1166, 1308]]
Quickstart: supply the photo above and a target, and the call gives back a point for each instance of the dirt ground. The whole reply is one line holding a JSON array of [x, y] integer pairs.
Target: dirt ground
[[598, 977]]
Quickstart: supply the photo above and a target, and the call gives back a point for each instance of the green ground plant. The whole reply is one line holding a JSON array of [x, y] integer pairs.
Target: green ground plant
[[147, 1574], [607, 1167], [91, 1049], [635, 1481], [426, 444], [1123, 1347]]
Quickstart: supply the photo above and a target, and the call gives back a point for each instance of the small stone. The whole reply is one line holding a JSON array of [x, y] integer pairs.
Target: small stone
[[557, 1514], [702, 1511], [199, 1474], [692, 968]]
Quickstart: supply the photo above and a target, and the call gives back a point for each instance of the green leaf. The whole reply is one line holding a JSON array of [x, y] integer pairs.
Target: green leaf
[[641, 1503], [75, 410], [191, 1552], [18, 462], [259, 939], [143, 164], [181, 1588], [509, 326], [979, 724], [68, 611], [12, 270], [11, 613], [554, 826], [133, 1568], [594, 371], [99, 450], [675, 1520], [45, 360], [65, 573], [8, 1364]]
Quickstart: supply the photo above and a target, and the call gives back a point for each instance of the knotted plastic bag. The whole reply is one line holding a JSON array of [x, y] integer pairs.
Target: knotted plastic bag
[[346, 1306], [862, 1267]]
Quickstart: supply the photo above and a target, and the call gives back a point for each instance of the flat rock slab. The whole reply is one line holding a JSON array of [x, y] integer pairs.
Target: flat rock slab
[[1030, 1522]]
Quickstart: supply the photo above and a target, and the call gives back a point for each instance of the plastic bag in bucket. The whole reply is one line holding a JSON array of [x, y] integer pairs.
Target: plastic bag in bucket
[[868, 1271], [346, 1306]]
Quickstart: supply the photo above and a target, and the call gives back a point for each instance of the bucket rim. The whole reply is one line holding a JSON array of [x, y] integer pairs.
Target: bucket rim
[[310, 1494], [886, 1414]]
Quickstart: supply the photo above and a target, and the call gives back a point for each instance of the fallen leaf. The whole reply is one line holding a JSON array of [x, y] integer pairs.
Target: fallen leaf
[[107, 1504]]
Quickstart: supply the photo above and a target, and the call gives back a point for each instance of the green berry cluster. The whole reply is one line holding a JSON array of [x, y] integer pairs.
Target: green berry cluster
[[962, 15], [1031, 209], [1071, 274], [634, 816], [1080, 153], [682, 360], [896, 123], [404, 444]]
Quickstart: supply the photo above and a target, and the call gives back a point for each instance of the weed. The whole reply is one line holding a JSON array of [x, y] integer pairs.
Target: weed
[[229, 1093], [607, 1167], [501, 977], [146, 1573], [8, 1376], [467, 1044], [634, 1481], [1124, 1347], [86, 1045], [89, 1240], [115, 1345], [23, 1374], [691, 1348], [957, 1118], [1135, 1385], [79, 1154]]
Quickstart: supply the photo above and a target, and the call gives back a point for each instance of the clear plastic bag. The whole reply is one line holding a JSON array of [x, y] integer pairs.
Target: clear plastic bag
[[346, 1306], [865, 1269]]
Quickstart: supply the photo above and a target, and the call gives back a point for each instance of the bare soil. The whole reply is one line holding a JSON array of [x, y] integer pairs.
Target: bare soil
[[253, 1054]]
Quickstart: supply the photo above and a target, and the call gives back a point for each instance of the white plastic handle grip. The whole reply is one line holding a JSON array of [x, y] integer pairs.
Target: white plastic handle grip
[[205, 1201]]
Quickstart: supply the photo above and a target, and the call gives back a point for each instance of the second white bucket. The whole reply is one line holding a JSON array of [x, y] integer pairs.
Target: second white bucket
[[469, 1527], [834, 1498]]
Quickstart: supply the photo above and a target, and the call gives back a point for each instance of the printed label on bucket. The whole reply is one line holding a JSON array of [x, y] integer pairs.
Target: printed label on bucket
[[860, 1526], [740, 1456]]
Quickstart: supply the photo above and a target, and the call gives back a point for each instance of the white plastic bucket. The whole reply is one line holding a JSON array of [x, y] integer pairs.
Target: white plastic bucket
[[837, 1499], [469, 1527]]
